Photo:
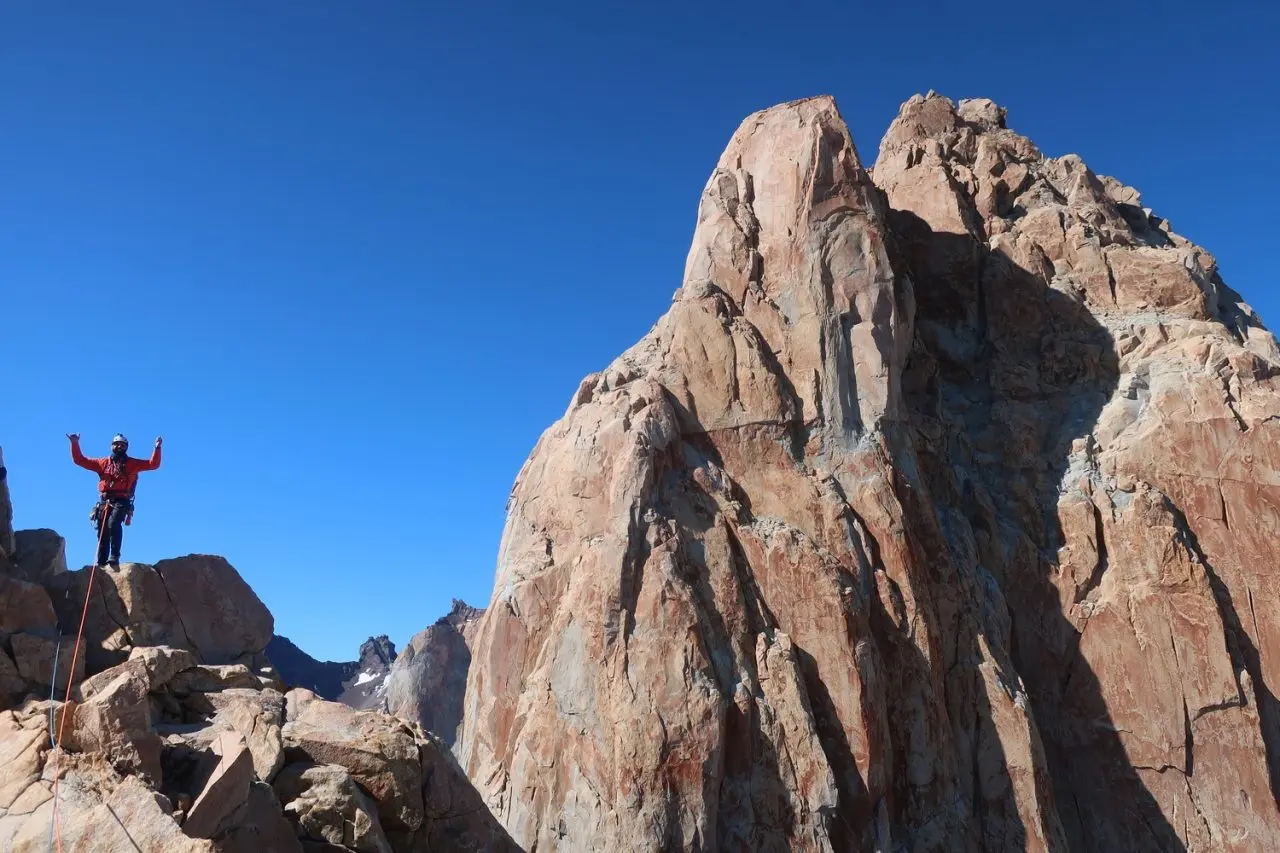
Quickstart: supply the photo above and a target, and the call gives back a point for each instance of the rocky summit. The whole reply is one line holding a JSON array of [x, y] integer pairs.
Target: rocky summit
[[179, 734], [937, 513]]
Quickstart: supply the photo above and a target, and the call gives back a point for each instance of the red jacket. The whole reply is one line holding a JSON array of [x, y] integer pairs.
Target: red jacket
[[115, 479]]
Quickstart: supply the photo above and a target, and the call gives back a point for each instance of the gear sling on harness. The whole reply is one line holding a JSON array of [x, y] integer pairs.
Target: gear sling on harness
[[104, 501]]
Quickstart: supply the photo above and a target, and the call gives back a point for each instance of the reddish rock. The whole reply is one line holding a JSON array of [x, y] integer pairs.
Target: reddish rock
[[381, 753], [45, 662], [257, 715], [225, 789], [259, 826], [100, 812], [222, 616], [935, 514], [115, 723], [152, 666], [128, 607], [196, 603]]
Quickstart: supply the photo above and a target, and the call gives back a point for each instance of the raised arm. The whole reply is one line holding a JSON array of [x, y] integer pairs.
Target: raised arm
[[150, 464], [79, 458]]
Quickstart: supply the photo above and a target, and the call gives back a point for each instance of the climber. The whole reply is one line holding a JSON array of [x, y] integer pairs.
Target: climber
[[117, 479]]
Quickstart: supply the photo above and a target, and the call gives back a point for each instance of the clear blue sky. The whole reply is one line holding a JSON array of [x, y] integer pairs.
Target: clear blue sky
[[350, 259]]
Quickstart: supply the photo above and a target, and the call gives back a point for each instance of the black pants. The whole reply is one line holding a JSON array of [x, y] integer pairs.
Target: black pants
[[111, 513]]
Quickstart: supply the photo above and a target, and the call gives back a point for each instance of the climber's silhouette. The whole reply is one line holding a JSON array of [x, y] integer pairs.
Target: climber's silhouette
[[117, 479]]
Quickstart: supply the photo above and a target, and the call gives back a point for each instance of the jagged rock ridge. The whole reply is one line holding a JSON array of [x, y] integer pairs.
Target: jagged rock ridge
[[180, 737], [360, 683], [934, 515], [428, 680]]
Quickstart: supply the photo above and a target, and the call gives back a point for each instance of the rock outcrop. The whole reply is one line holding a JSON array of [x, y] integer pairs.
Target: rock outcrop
[[198, 603], [428, 680], [936, 514], [1110, 458], [38, 555], [178, 735], [7, 545]]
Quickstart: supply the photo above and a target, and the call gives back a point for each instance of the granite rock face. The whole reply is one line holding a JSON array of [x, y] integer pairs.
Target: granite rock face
[[936, 514], [1095, 423], [428, 680], [176, 738], [199, 603]]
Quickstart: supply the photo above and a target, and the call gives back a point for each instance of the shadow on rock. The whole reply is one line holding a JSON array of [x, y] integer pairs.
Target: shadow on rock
[[1007, 379]]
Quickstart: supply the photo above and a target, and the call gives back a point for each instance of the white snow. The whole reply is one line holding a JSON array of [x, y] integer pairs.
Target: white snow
[[365, 678]]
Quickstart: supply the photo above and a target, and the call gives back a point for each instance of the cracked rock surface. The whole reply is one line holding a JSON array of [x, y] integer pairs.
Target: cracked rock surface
[[177, 737], [938, 513]]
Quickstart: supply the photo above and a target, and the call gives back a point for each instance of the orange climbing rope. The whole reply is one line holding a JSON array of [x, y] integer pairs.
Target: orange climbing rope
[[104, 521]]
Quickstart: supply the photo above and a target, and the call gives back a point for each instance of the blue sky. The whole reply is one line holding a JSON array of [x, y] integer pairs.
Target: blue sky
[[351, 259]]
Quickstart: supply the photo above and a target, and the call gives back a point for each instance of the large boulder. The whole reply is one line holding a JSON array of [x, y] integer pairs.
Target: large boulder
[[327, 805], [115, 723], [153, 666], [128, 607], [39, 555], [104, 813], [257, 715], [380, 752], [211, 679], [223, 617], [259, 826], [224, 788], [196, 603], [45, 662], [25, 606], [111, 712]]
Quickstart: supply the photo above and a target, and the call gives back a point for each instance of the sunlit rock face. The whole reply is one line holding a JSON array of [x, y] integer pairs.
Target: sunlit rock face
[[937, 513]]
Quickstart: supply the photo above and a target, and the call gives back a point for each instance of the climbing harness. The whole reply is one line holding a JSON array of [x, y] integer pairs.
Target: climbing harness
[[55, 831]]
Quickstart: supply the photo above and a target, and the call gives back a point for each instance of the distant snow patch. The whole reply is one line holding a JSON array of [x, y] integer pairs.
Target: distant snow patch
[[365, 678]]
